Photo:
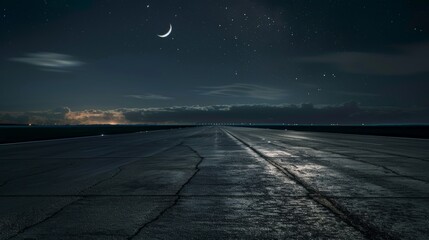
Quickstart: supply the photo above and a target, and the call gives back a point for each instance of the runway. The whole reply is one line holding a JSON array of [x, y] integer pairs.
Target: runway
[[216, 183]]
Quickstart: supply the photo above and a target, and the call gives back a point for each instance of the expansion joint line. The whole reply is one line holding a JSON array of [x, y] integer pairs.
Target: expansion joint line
[[353, 158], [368, 150], [368, 230], [52, 215], [7, 181], [67, 205]]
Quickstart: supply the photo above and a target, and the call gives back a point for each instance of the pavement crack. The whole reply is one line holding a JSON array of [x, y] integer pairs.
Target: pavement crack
[[177, 195], [176, 200], [197, 169], [367, 229], [43, 220], [119, 169], [65, 206]]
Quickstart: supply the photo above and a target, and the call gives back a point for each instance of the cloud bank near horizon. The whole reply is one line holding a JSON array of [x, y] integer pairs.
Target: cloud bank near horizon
[[347, 113]]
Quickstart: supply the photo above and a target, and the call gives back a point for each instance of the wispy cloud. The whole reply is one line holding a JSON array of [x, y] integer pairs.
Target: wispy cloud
[[410, 59], [244, 90], [49, 61], [149, 97]]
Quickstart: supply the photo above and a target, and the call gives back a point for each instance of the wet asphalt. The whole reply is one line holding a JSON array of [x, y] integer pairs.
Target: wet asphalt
[[216, 183]]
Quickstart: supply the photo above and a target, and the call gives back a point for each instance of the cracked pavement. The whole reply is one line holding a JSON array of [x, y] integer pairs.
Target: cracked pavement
[[216, 183]]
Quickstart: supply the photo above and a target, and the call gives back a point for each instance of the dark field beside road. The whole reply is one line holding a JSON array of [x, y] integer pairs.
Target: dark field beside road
[[23, 133]]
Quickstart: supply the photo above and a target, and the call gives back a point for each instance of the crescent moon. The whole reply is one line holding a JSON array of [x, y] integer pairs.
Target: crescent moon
[[168, 33]]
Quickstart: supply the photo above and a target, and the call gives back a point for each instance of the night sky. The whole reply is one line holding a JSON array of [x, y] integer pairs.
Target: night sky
[[302, 61]]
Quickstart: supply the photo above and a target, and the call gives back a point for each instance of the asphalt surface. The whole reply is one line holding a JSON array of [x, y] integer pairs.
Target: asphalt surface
[[216, 183]]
